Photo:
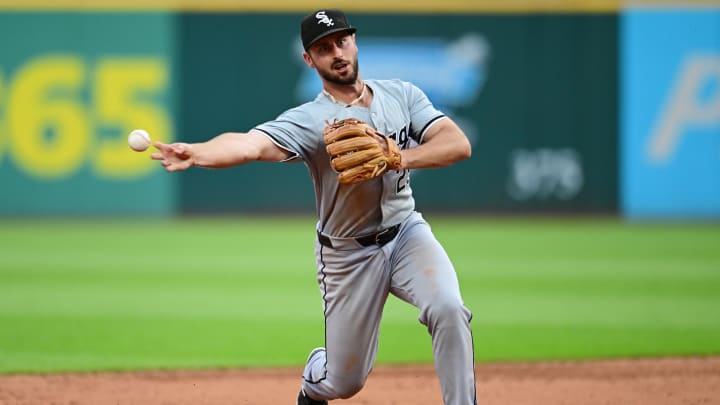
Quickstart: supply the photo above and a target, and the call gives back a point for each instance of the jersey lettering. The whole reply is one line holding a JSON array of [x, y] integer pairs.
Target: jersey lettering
[[401, 138]]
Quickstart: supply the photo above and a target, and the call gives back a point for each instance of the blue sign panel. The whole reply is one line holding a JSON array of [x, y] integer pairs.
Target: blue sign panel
[[670, 109]]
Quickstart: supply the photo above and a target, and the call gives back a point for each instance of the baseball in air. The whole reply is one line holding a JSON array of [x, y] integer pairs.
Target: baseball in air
[[139, 140]]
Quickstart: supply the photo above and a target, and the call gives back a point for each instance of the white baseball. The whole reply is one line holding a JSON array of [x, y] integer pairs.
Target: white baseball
[[139, 140]]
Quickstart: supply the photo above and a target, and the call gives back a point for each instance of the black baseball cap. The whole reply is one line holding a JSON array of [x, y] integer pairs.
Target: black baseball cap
[[322, 23]]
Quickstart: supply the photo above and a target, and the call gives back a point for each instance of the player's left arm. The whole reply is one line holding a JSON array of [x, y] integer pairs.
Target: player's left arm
[[443, 144]]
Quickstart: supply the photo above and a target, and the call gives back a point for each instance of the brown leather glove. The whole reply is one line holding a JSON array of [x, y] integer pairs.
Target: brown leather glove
[[358, 152]]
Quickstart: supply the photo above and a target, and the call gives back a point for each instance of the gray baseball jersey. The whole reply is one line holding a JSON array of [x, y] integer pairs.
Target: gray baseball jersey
[[356, 278], [399, 110]]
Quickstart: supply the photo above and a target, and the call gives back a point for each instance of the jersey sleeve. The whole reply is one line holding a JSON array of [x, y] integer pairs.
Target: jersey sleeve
[[293, 131], [422, 112]]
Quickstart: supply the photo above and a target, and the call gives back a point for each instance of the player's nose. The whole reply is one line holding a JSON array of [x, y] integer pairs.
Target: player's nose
[[337, 51]]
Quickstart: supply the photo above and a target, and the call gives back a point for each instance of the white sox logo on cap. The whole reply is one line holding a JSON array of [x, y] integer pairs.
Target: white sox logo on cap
[[324, 19]]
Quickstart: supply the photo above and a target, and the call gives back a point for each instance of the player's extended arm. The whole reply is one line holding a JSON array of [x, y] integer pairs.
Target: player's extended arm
[[443, 144], [225, 150]]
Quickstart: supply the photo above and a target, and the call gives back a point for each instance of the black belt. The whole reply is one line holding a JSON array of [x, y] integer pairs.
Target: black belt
[[380, 238]]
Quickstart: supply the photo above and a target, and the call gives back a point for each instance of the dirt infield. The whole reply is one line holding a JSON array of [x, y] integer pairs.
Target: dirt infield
[[649, 381]]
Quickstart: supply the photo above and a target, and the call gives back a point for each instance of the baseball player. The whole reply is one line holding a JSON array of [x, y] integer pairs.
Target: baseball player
[[371, 241]]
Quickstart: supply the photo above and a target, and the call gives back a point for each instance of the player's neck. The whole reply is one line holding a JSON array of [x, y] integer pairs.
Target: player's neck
[[348, 95]]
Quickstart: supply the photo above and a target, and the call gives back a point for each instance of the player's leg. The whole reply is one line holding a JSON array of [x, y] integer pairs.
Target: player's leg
[[354, 287], [424, 276]]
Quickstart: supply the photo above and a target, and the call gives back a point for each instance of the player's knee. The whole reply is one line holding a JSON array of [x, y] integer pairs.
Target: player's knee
[[445, 311], [350, 387]]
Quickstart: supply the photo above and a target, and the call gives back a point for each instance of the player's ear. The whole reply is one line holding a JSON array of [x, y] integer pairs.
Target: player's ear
[[308, 60]]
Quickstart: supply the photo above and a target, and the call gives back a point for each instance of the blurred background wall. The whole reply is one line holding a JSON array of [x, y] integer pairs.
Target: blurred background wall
[[591, 107]]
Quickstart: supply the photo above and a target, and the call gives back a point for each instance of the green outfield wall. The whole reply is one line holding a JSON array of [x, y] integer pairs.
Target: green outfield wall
[[72, 86], [536, 92]]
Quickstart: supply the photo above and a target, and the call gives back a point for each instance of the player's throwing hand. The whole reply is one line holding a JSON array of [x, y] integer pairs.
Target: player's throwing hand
[[175, 157]]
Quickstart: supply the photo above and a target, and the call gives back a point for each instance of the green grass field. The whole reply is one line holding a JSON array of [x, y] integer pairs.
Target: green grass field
[[241, 292]]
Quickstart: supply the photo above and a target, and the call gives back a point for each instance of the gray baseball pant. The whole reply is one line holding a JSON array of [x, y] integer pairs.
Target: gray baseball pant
[[355, 282]]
